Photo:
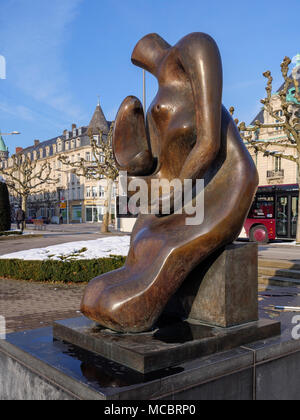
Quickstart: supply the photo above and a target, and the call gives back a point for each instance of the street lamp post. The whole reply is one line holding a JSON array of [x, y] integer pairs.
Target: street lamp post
[[10, 134], [144, 91]]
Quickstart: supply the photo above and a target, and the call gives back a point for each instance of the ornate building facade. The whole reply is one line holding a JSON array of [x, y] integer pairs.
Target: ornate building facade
[[72, 198], [272, 169]]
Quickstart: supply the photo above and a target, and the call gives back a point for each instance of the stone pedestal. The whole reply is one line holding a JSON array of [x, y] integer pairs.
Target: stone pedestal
[[216, 309], [169, 345], [223, 291]]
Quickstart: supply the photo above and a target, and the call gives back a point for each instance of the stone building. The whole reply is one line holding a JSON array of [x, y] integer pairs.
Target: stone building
[[275, 170], [74, 198]]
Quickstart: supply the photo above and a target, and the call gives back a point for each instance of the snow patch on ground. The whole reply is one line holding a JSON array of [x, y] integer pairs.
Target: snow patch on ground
[[102, 247]]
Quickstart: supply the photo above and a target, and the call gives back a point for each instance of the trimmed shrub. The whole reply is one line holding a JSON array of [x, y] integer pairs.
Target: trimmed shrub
[[5, 222], [77, 271]]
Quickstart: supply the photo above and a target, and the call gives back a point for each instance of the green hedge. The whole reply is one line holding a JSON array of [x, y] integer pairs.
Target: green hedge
[[59, 271], [11, 232]]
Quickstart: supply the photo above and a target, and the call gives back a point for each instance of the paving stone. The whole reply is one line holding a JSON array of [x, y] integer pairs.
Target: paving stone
[[26, 305]]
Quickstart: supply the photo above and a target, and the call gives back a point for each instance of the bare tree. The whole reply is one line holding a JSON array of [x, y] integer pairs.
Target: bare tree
[[102, 165], [287, 118], [25, 177]]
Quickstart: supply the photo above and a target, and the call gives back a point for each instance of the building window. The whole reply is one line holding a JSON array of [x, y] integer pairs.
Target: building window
[[277, 164], [59, 145], [101, 191], [94, 191], [88, 191]]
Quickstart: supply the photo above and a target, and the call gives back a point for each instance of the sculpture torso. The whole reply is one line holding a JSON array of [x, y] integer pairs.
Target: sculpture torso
[[171, 118]]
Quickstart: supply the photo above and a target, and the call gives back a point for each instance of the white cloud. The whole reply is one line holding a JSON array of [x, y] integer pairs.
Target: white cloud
[[34, 35]]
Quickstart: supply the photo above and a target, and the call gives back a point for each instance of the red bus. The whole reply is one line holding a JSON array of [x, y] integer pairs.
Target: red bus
[[274, 213]]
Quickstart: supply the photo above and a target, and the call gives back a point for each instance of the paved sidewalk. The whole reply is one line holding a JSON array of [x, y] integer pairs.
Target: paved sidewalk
[[27, 305]]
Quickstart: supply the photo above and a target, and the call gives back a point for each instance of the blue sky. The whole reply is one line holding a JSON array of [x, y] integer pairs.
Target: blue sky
[[61, 54]]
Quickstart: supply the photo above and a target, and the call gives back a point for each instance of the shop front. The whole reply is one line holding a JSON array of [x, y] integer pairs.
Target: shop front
[[76, 213], [93, 212]]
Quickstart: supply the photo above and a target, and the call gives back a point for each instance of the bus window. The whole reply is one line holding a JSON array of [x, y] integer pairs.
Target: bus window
[[282, 216], [262, 208]]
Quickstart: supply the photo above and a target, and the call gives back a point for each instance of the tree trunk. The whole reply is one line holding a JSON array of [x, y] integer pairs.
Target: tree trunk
[[298, 222], [104, 225], [24, 204], [24, 207]]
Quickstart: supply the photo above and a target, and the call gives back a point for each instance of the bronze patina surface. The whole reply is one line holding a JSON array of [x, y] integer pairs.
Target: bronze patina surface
[[188, 135]]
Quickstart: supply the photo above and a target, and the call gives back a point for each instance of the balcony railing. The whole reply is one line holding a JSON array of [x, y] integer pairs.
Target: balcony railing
[[275, 174]]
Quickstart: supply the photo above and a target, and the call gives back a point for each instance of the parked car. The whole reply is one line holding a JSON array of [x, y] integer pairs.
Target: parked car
[[45, 219], [29, 220]]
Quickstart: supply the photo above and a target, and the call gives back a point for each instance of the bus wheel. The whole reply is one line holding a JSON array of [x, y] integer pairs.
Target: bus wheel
[[259, 234]]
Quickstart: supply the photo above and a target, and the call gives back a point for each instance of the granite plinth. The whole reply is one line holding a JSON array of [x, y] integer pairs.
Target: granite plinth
[[223, 290], [166, 346]]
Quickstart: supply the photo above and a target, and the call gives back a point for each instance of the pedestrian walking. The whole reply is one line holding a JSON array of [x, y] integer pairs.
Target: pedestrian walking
[[20, 218]]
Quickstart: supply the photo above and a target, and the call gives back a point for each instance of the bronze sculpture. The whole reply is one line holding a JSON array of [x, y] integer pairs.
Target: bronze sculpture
[[188, 135]]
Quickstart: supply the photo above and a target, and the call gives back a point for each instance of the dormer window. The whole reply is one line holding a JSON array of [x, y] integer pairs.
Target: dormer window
[[59, 145], [41, 153], [47, 151], [78, 142], [67, 145], [35, 155], [72, 144], [67, 135]]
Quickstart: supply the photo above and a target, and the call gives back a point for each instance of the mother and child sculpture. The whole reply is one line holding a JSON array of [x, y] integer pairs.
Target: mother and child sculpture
[[187, 134]]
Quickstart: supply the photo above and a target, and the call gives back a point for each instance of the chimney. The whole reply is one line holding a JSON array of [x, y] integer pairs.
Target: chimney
[[73, 126], [19, 149], [65, 132], [36, 143]]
